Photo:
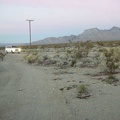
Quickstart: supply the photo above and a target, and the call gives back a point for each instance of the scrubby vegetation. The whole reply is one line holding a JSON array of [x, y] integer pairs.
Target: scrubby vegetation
[[80, 54]]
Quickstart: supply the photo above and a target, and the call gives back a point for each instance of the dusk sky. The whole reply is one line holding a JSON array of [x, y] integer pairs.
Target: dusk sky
[[54, 18]]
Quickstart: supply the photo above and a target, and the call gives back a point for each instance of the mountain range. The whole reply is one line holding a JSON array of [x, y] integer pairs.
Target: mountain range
[[93, 34]]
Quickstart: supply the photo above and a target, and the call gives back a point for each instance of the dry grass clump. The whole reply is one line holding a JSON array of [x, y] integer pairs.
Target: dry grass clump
[[82, 89], [83, 92]]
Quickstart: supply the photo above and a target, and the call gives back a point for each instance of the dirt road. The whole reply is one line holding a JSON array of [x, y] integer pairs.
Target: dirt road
[[26, 93], [29, 92]]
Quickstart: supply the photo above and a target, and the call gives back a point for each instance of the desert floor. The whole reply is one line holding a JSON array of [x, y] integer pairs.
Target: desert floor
[[34, 92]]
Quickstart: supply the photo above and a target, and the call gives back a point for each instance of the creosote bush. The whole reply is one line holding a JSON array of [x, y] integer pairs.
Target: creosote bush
[[31, 57], [73, 63], [111, 60]]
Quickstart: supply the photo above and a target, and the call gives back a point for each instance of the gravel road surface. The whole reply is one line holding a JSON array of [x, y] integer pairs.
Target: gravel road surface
[[27, 94]]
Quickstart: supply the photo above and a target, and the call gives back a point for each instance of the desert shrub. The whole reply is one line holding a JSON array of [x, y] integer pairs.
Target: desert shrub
[[78, 46], [26, 56], [88, 46], [111, 60], [102, 50], [76, 50], [45, 57], [35, 53], [69, 51], [82, 89], [2, 56], [117, 52], [73, 62], [31, 58], [110, 79], [57, 51], [82, 92], [39, 60], [77, 55], [100, 43]]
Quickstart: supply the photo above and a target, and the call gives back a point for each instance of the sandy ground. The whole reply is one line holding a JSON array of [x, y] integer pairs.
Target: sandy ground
[[29, 92]]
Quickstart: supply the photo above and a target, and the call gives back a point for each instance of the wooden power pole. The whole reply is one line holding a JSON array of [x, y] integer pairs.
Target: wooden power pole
[[30, 30]]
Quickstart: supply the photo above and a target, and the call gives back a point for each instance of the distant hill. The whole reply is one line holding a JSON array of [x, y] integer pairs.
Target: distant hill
[[93, 34], [15, 44]]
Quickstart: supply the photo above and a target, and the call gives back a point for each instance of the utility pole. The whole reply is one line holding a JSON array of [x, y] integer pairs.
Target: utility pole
[[30, 30]]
